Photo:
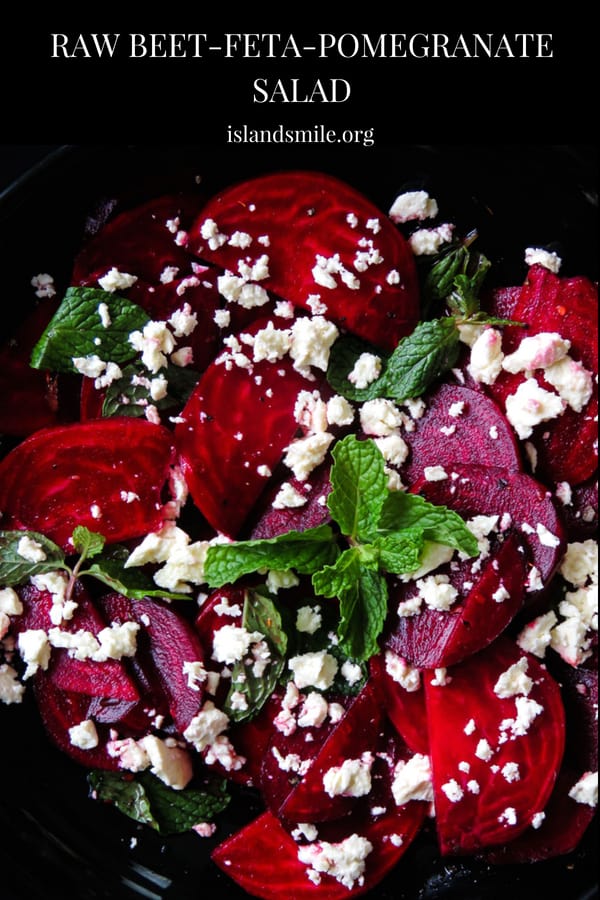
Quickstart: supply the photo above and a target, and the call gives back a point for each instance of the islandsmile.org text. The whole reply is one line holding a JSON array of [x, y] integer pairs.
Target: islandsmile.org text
[[313, 134]]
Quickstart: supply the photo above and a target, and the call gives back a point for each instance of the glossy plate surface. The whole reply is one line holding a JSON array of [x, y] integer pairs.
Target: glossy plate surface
[[55, 840]]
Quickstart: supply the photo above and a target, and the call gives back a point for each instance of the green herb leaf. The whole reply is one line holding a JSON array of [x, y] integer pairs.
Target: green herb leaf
[[420, 358], [132, 583], [15, 568], [362, 593], [342, 359], [76, 328], [304, 551], [87, 543], [125, 397], [148, 800], [359, 487], [260, 615], [437, 523], [400, 552]]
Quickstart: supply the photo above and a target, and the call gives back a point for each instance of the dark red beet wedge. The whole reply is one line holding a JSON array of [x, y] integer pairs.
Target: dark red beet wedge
[[237, 426], [314, 223], [512, 746], [79, 474], [405, 709], [487, 490], [433, 639], [276, 520], [459, 425]]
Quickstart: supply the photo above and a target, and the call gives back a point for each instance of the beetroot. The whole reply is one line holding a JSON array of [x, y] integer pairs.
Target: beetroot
[[237, 425], [307, 219], [511, 737], [433, 639], [487, 490], [78, 474], [404, 708], [314, 512], [478, 432]]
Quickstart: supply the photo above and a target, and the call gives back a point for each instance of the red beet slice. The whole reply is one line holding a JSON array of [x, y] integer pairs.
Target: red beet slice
[[477, 433], [565, 820], [566, 446], [488, 490], [108, 679], [581, 513], [513, 750], [247, 856], [308, 217], [405, 709], [76, 474], [356, 733], [237, 426], [172, 642], [433, 639], [139, 242]]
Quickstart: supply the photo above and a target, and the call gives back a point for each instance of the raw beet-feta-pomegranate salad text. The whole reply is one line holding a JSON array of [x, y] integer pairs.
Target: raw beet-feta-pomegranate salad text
[[322, 525]]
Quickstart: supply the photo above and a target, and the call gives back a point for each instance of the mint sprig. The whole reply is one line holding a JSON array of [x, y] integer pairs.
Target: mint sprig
[[16, 568], [382, 532], [77, 330]]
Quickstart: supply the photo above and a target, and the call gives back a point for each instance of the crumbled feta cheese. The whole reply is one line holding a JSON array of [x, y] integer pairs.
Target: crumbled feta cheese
[[305, 454], [90, 366], [412, 780], [222, 318], [413, 205], [288, 497], [435, 473], [432, 556], [393, 449], [437, 592], [277, 580], [11, 689], [546, 537], [407, 676], [168, 274], [580, 563], [84, 735], [325, 269], [453, 790], [530, 405], [527, 711], [470, 727], [31, 550], [367, 369], [537, 352], [10, 603], [314, 711], [537, 820], [240, 239], [380, 417], [564, 493], [351, 779], [352, 672], [209, 231], [232, 642], [514, 681], [548, 259], [183, 321], [427, 241], [344, 861], [316, 669], [509, 816], [309, 619], [116, 281], [573, 383], [172, 765], [311, 342], [310, 411], [510, 771], [44, 285], [536, 636], [154, 343], [586, 789], [271, 343], [339, 411], [483, 750], [236, 289], [56, 583], [104, 313], [34, 648], [486, 357], [206, 726]]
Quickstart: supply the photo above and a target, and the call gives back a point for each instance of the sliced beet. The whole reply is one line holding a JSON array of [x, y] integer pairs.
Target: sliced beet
[[108, 679], [581, 513], [172, 643], [434, 639], [356, 733], [488, 490], [566, 446], [494, 758], [247, 856], [405, 709], [237, 425], [76, 475], [565, 820], [61, 710], [305, 218], [314, 512], [138, 241], [478, 432]]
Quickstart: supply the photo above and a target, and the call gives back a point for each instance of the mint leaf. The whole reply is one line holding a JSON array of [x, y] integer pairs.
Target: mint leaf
[[400, 552], [304, 551], [342, 359], [260, 615], [87, 543], [148, 800], [362, 593], [420, 358], [16, 568], [132, 583], [437, 523], [359, 487], [76, 328], [130, 395]]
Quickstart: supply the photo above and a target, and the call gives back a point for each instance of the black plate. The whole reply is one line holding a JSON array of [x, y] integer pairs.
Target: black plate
[[55, 841]]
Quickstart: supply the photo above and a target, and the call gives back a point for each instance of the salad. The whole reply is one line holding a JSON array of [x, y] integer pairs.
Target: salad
[[294, 504]]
